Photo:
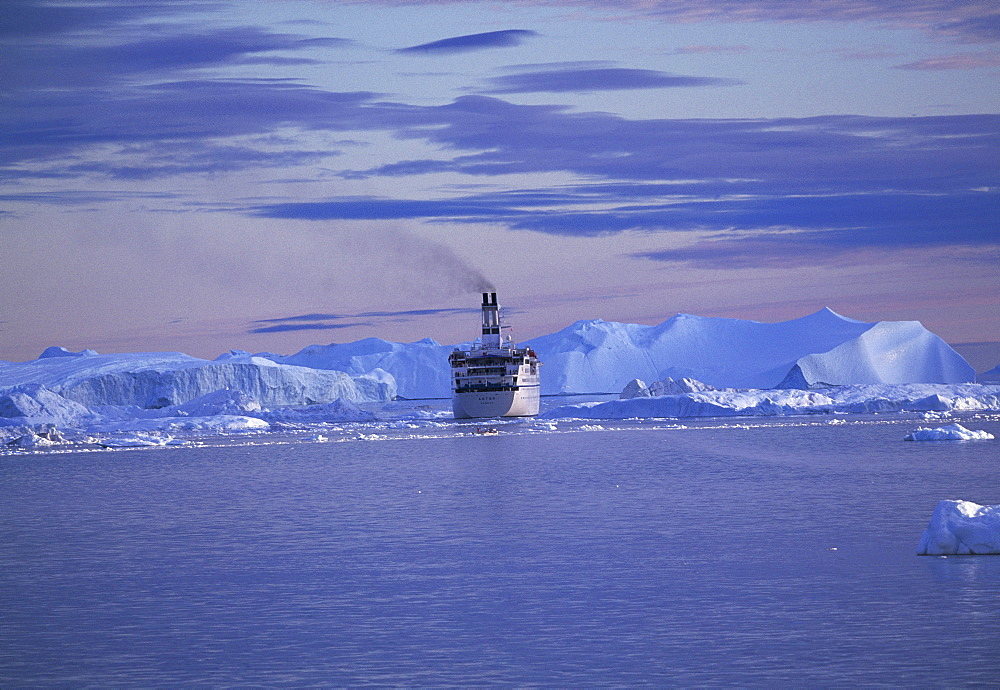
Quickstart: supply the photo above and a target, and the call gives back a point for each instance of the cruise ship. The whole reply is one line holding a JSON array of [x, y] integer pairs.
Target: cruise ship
[[494, 377]]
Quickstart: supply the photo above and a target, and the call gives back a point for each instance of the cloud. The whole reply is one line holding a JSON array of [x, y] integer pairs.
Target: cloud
[[139, 109], [33, 19], [868, 54], [284, 328], [169, 127], [81, 64], [956, 61], [827, 153], [463, 44], [983, 27], [844, 221], [366, 314], [596, 79], [303, 317], [726, 49], [973, 21], [310, 322]]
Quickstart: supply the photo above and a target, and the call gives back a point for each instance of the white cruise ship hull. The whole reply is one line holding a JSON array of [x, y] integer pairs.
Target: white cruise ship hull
[[520, 403]]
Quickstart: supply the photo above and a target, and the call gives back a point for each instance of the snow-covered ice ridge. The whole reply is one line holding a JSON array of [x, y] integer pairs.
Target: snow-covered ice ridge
[[598, 356], [961, 527]]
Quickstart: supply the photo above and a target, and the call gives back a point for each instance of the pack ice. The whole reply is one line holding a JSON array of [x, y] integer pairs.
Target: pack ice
[[961, 527]]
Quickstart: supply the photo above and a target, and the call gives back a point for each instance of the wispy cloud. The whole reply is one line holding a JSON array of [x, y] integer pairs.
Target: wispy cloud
[[321, 322], [138, 109], [33, 19], [365, 314], [82, 64], [286, 327], [596, 79], [840, 182], [973, 21], [956, 61], [869, 54], [507, 38], [702, 49]]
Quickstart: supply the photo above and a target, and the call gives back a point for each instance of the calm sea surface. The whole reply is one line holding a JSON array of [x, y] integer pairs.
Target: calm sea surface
[[714, 554]]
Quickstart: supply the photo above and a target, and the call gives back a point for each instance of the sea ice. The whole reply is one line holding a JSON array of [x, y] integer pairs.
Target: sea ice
[[865, 399], [214, 423], [951, 432], [961, 527], [137, 441]]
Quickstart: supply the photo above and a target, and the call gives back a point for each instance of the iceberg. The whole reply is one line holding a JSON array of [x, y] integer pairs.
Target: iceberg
[[162, 379], [700, 367], [596, 356], [821, 349], [888, 352], [950, 432], [961, 527], [991, 376], [419, 369], [338, 410], [636, 388], [32, 404]]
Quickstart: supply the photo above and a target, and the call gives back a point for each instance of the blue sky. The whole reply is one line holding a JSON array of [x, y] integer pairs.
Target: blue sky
[[200, 176]]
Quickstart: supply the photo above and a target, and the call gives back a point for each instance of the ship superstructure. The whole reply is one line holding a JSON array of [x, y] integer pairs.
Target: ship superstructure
[[494, 377]]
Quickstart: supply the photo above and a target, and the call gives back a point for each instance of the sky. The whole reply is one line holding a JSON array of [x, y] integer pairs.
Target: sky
[[262, 175]]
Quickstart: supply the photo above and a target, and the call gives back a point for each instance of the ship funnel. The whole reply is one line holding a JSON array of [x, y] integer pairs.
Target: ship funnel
[[491, 320]]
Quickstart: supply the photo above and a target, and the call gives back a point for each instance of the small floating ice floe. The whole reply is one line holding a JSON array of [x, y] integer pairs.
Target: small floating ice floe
[[139, 441], [961, 527], [318, 438], [937, 415], [951, 432]]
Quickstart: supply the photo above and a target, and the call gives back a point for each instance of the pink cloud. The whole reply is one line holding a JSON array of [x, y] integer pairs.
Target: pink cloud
[[956, 61], [867, 54]]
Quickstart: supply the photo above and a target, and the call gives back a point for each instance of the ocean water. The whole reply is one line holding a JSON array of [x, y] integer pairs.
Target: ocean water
[[780, 552]]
